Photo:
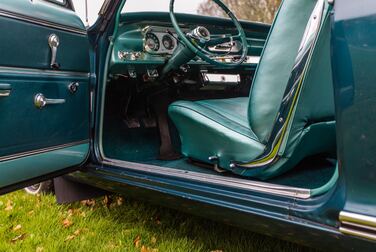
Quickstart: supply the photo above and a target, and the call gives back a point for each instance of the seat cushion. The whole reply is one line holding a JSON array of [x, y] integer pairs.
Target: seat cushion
[[215, 128]]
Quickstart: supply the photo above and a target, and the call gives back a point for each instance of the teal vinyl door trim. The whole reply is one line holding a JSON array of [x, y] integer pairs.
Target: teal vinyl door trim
[[40, 141]]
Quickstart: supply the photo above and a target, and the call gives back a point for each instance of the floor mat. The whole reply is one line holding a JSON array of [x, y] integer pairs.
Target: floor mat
[[121, 142], [142, 145]]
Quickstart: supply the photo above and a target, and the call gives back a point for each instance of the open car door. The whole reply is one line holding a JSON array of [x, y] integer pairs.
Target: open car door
[[44, 91]]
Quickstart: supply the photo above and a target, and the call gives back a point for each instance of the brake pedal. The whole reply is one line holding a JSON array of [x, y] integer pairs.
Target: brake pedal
[[132, 123]]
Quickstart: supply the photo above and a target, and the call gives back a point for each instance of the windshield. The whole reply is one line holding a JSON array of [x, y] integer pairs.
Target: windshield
[[257, 10], [181, 6]]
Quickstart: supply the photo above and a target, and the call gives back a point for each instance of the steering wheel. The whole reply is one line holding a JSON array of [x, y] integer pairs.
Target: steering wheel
[[200, 38]]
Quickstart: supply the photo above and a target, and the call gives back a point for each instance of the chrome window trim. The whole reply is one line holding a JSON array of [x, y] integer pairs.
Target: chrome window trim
[[38, 72], [40, 151], [263, 187], [42, 22]]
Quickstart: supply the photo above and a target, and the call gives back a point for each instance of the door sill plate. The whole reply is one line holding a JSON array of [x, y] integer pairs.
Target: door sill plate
[[263, 187]]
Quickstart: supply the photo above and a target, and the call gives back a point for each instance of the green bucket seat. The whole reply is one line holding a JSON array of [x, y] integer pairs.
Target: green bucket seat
[[289, 113]]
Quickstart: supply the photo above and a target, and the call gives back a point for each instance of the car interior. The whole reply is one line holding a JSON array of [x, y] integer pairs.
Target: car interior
[[218, 97]]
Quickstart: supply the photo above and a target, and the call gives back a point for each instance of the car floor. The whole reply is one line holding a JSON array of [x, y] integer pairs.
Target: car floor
[[141, 145]]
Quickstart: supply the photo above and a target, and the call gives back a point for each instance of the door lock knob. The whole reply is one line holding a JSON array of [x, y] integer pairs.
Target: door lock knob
[[73, 87]]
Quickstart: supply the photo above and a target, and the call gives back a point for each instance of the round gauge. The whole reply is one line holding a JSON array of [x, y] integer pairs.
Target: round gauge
[[151, 42], [168, 42]]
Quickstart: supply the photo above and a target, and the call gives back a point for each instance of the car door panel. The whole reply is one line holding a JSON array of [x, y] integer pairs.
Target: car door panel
[[24, 44], [30, 128], [42, 140]]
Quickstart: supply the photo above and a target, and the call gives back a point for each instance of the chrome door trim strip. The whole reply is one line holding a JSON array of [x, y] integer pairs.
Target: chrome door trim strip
[[42, 22], [360, 219], [43, 150], [280, 190], [358, 225], [31, 71], [354, 232]]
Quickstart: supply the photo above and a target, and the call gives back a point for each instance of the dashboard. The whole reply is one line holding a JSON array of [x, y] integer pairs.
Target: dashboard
[[145, 42], [159, 40]]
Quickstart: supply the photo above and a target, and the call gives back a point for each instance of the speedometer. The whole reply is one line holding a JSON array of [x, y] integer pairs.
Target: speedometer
[[168, 42], [151, 42]]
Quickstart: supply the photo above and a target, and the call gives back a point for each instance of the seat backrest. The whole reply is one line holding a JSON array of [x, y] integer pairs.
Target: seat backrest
[[276, 64]]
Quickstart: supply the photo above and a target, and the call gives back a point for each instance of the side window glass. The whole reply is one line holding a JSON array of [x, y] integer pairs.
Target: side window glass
[[87, 10]]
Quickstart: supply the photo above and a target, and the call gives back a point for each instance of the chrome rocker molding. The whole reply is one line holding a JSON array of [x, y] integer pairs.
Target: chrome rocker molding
[[242, 184], [38, 72], [42, 22], [40, 151], [272, 151], [360, 225]]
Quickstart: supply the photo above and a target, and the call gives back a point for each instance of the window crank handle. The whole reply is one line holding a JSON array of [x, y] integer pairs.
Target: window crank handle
[[53, 42]]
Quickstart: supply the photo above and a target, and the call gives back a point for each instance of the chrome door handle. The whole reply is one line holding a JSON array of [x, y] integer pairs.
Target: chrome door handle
[[40, 101], [53, 42], [5, 90]]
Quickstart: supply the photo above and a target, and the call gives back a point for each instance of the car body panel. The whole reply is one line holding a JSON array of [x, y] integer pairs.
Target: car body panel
[[261, 214], [354, 58]]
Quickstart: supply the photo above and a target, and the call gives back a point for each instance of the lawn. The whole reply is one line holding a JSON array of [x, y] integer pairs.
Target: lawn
[[37, 223]]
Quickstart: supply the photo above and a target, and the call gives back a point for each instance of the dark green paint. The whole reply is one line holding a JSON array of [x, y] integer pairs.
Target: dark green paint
[[354, 60]]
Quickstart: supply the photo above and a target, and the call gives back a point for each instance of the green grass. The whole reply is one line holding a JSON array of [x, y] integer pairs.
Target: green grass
[[37, 223]]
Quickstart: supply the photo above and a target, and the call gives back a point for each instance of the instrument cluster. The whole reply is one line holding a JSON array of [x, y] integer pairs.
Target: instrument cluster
[[159, 40]]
